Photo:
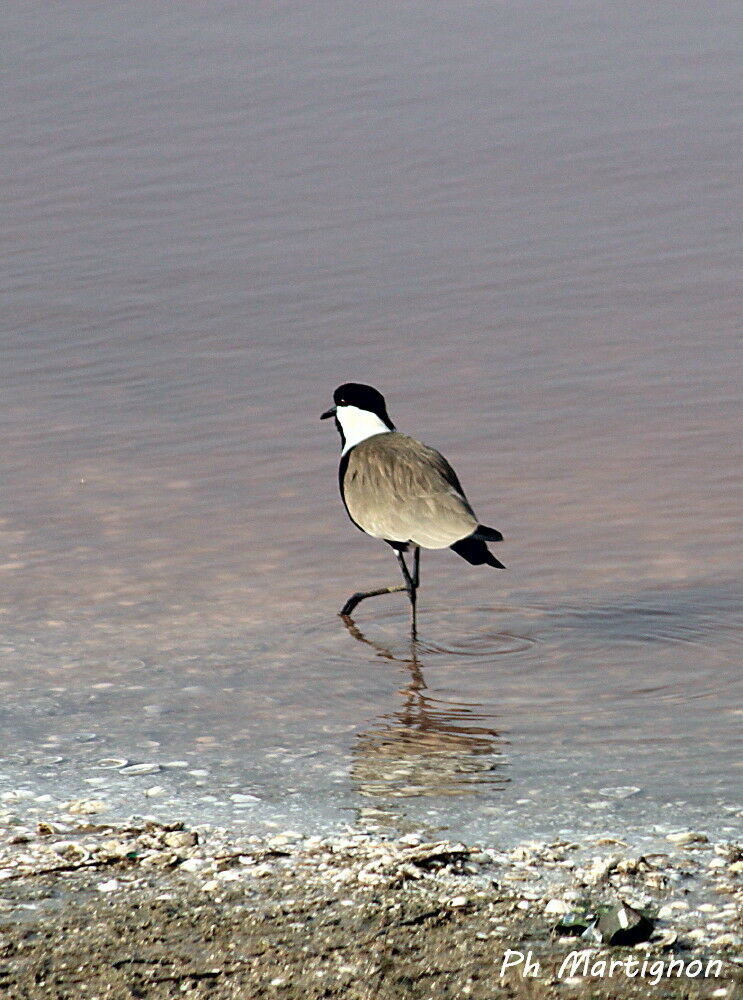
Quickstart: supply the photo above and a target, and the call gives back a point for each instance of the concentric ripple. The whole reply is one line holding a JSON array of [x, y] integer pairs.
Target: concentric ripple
[[478, 634]]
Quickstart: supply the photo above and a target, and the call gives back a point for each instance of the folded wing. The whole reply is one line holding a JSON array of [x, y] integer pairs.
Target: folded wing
[[400, 490]]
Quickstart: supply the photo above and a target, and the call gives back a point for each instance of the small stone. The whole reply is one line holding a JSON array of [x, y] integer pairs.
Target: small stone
[[86, 807], [115, 848], [181, 838], [600, 869], [411, 840], [656, 880], [666, 940], [211, 886], [282, 839], [737, 867], [111, 886], [725, 941], [458, 901], [241, 797], [369, 878], [522, 853], [140, 769], [69, 849], [481, 857], [685, 837], [45, 828], [112, 763], [621, 792], [558, 906], [159, 859], [154, 791], [194, 864]]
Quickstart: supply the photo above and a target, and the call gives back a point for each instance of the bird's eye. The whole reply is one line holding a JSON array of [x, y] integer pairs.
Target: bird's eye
[[343, 403]]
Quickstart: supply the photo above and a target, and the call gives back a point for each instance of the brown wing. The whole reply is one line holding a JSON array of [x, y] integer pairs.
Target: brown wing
[[399, 489]]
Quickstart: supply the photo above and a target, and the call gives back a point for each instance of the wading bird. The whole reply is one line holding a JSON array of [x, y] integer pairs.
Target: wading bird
[[401, 491]]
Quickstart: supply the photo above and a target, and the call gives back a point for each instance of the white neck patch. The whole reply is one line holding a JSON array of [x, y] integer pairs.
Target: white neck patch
[[358, 425]]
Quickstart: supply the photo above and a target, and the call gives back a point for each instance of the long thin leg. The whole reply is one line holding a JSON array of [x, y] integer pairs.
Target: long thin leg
[[360, 596], [411, 585], [414, 593]]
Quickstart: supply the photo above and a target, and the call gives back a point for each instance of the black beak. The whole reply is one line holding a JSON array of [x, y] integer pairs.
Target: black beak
[[328, 413]]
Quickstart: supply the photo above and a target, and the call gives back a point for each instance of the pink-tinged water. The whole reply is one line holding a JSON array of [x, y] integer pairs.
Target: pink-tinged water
[[523, 226]]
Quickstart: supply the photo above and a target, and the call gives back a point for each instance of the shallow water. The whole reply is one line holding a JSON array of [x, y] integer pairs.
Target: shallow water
[[522, 228]]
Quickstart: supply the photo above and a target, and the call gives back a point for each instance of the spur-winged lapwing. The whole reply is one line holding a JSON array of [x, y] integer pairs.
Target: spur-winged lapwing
[[399, 490]]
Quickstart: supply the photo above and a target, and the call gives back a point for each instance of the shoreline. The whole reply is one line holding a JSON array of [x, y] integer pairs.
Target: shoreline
[[93, 909]]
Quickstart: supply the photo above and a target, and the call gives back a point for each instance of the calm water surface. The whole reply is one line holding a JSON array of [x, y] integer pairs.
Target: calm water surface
[[523, 225]]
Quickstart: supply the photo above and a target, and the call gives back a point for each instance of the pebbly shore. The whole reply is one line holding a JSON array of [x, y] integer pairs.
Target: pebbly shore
[[145, 909]]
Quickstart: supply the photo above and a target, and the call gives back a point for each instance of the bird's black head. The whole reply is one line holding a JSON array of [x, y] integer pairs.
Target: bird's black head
[[363, 397]]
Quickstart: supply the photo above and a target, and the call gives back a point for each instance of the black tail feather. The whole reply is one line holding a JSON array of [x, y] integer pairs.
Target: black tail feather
[[488, 534], [475, 551]]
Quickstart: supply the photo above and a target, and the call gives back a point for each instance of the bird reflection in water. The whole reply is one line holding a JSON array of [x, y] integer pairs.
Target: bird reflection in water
[[426, 747]]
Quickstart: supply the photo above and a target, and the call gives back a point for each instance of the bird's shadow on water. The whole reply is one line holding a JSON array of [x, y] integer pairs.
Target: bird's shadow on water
[[424, 748]]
